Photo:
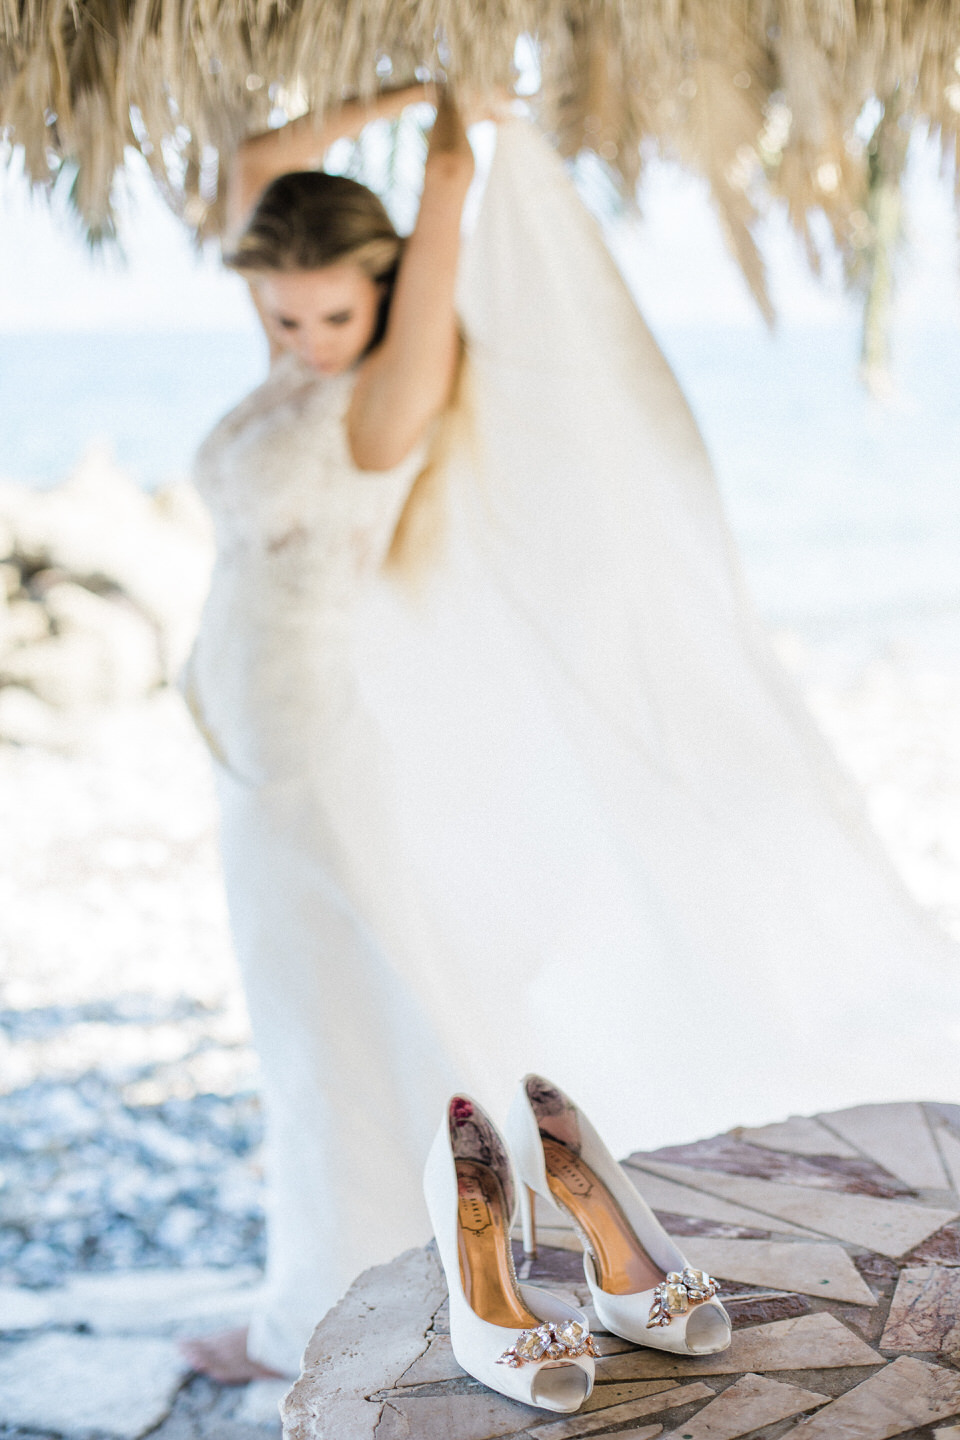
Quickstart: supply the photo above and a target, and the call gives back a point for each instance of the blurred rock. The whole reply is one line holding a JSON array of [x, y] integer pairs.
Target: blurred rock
[[101, 585], [9, 573], [25, 622], [25, 719], [101, 652]]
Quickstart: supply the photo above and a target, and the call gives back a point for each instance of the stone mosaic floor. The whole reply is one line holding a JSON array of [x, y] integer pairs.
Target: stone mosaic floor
[[837, 1239]]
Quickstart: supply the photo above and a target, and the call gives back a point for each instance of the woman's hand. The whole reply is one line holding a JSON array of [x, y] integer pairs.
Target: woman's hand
[[449, 148], [496, 105]]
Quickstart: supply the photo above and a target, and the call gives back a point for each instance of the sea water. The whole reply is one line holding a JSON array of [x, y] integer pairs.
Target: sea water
[[845, 509]]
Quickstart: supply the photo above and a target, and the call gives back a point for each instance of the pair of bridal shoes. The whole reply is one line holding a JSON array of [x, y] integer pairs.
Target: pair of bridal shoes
[[522, 1340]]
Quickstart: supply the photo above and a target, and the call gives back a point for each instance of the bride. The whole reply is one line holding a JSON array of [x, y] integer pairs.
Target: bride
[[508, 778]]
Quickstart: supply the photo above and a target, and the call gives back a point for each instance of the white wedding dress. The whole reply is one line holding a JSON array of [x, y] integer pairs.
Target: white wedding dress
[[556, 811]]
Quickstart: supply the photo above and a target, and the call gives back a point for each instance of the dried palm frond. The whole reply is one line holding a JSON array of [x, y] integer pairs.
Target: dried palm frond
[[760, 97]]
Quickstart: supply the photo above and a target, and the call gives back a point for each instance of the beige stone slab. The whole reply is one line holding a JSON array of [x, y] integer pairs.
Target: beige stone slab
[[890, 1227], [362, 1346], [746, 1405], [435, 1364], [949, 1145], [805, 1342], [896, 1137], [798, 1136], [947, 1432], [811, 1269], [662, 1193], [906, 1394], [575, 1426], [925, 1313]]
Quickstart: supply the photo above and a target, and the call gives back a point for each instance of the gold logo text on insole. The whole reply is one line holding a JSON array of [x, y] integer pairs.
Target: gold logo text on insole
[[474, 1210]]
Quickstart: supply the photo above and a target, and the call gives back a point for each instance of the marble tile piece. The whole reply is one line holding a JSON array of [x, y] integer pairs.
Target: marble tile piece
[[751, 1309], [906, 1394], [808, 1342], [890, 1227], [475, 1415], [574, 1426], [812, 1269], [947, 1432], [949, 1144], [662, 1193], [647, 1432], [749, 1403], [896, 1136], [946, 1114], [605, 1395], [611, 1344], [800, 1136], [940, 1248], [731, 1155], [77, 1384], [925, 1313]]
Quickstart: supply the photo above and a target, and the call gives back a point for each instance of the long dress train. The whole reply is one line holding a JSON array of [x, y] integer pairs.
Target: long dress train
[[553, 809]]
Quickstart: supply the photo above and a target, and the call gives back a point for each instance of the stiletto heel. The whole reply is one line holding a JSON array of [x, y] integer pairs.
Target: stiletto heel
[[518, 1339], [528, 1221], [641, 1284]]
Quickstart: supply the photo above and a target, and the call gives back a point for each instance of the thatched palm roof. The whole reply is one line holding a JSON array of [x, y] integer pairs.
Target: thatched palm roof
[[811, 100]]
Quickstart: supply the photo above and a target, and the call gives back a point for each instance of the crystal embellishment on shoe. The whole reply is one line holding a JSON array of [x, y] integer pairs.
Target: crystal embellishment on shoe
[[678, 1292], [549, 1342]]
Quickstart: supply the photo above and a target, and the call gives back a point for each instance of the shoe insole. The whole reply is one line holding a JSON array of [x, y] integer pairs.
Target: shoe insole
[[622, 1264], [484, 1238]]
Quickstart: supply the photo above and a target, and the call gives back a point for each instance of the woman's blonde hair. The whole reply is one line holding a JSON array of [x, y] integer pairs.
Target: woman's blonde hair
[[307, 220]]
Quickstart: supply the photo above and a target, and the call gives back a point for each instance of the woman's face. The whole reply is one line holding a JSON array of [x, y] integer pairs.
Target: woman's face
[[328, 317]]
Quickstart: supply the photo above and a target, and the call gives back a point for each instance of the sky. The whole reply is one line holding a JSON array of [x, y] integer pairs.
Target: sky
[[674, 257]]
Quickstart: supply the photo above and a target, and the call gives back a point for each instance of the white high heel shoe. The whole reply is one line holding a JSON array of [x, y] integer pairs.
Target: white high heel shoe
[[518, 1339], [643, 1289]]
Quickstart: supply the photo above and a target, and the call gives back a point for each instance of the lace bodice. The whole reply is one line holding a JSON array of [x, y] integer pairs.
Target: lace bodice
[[279, 479], [299, 528]]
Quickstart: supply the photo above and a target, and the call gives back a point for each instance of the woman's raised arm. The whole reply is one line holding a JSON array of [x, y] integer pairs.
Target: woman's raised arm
[[408, 379]]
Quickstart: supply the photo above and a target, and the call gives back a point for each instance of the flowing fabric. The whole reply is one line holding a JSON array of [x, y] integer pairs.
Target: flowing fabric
[[557, 809]]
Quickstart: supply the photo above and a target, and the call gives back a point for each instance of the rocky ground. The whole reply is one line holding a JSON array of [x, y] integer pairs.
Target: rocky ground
[[130, 1187]]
